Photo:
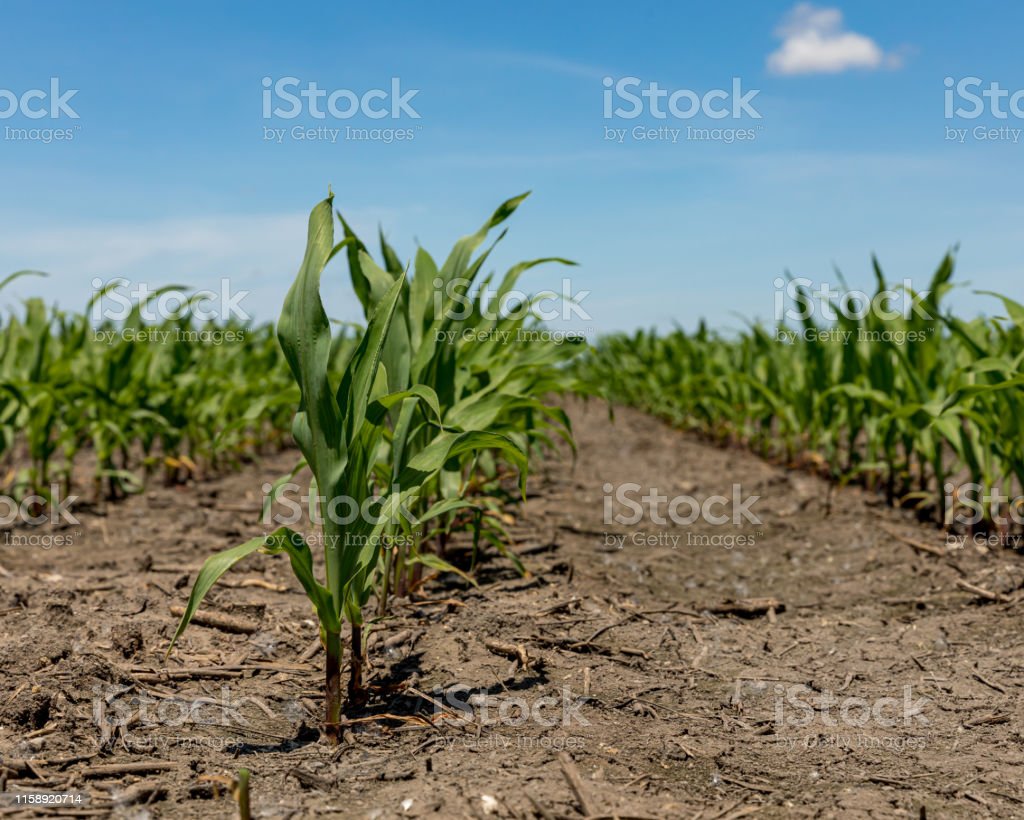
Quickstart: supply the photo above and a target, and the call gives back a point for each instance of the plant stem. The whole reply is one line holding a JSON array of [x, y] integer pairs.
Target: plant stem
[[332, 720], [244, 812], [400, 580], [382, 609], [355, 682], [416, 573]]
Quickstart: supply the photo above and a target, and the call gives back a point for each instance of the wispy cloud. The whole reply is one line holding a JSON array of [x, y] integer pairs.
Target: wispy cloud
[[815, 42], [256, 253], [546, 63], [146, 248]]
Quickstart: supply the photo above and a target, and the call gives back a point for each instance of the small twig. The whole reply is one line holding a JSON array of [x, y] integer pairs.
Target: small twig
[[255, 582], [311, 651], [398, 638], [981, 592], [538, 808], [752, 786], [572, 777], [670, 611], [515, 652], [920, 546], [218, 621], [989, 683], [749, 607], [615, 625], [188, 673], [119, 769], [985, 720], [429, 602], [309, 780]]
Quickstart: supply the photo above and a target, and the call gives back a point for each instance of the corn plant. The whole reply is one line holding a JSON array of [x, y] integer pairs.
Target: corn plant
[[486, 377], [341, 430]]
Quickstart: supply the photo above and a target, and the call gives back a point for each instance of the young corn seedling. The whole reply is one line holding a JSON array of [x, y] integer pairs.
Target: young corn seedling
[[485, 377], [340, 431]]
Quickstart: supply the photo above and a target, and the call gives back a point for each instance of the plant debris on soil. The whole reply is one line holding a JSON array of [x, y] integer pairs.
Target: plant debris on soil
[[835, 659]]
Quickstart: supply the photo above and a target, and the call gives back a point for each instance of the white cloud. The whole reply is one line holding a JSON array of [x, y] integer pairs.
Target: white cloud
[[814, 42]]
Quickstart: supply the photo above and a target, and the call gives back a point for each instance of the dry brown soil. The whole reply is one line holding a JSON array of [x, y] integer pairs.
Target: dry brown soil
[[883, 680]]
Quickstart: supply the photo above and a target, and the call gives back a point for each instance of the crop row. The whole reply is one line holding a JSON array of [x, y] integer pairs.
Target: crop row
[[919, 404]]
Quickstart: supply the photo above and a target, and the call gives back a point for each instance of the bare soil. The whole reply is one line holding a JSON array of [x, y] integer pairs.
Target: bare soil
[[833, 659]]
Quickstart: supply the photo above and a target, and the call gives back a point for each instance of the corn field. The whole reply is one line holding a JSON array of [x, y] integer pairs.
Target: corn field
[[113, 405], [539, 411], [914, 406]]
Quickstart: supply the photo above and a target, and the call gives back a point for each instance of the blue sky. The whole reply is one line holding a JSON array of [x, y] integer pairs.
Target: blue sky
[[168, 176]]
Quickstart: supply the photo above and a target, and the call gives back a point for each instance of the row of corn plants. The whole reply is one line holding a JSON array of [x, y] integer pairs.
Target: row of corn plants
[[129, 399], [434, 412], [922, 406]]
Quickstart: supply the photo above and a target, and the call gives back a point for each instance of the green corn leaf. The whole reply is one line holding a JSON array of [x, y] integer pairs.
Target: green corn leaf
[[429, 559], [215, 566], [18, 274], [1014, 309], [305, 336], [379, 407], [295, 546], [444, 507], [354, 392]]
